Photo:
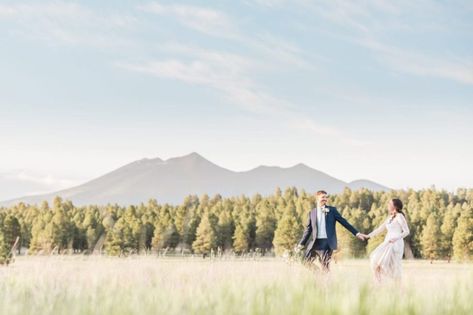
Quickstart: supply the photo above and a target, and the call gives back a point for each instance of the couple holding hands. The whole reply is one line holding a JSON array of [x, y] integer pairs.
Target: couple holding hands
[[385, 259]]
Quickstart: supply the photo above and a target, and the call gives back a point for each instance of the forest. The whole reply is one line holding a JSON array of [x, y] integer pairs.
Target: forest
[[441, 225]]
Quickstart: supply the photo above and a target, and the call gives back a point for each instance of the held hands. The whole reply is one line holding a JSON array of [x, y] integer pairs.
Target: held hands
[[362, 236]]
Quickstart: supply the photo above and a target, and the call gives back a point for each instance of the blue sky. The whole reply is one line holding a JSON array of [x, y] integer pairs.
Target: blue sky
[[371, 89]]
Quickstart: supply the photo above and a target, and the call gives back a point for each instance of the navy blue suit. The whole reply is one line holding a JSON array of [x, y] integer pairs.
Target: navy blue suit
[[331, 218]]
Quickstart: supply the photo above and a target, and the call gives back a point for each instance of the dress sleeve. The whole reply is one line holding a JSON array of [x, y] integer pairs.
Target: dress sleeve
[[405, 229], [378, 230]]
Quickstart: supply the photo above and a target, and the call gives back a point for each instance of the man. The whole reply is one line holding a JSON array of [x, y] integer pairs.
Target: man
[[321, 226]]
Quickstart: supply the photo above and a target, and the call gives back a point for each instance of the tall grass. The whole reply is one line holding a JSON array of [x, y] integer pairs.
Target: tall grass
[[150, 285]]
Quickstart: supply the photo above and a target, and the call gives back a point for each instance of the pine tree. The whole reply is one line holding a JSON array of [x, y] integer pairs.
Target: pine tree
[[41, 238], [125, 235], [4, 250], [187, 221], [463, 236], [265, 226], [206, 239], [114, 243], [245, 226], [165, 237], [288, 230], [59, 229], [431, 248], [447, 228], [11, 230], [240, 239], [225, 229]]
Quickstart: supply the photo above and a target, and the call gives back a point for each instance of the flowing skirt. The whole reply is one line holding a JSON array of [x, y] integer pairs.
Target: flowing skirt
[[386, 260]]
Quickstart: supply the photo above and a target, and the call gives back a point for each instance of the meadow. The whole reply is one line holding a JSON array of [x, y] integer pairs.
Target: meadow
[[231, 285]]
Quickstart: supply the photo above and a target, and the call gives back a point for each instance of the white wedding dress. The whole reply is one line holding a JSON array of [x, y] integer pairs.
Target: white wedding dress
[[386, 258]]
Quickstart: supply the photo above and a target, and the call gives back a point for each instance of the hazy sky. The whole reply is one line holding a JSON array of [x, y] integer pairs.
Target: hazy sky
[[358, 89]]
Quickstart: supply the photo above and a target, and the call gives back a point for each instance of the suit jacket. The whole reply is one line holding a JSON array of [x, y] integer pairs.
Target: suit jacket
[[331, 218]]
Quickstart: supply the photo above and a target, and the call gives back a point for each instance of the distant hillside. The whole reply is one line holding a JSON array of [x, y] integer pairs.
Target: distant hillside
[[173, 179]]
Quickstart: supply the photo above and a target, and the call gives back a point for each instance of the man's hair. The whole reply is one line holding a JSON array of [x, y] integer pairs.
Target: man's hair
[[321, 192]]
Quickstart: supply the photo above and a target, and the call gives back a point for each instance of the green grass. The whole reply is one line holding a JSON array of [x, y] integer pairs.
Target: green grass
[[150, 285]]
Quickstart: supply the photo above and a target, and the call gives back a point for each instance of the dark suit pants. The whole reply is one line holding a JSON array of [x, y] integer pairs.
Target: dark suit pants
[[322, 252]]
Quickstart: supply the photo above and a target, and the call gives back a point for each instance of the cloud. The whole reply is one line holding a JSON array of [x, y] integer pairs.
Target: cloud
[[411, 62], [46, 180], [268, 3], [367, 24], [16, 183], [228, 73], [224, 72], [218, 24], [62, 23], [331, 132], [231, 76], [66, 23], [375, 16], [199, 18], [280, 50], [422, 65]]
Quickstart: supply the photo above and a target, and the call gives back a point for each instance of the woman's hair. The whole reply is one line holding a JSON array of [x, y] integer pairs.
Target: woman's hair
[[398, 206]]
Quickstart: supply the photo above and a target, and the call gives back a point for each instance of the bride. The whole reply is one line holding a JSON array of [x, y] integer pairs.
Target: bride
[[386, 258]]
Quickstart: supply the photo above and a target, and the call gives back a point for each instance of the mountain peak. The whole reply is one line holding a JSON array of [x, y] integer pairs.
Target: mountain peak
[[368, 184], [191, 157], [148, 160], [194, 155], [300, 165], [193, 161]]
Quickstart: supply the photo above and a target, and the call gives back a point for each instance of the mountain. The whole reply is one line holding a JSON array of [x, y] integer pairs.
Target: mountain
[[173, 179], [365, 183]]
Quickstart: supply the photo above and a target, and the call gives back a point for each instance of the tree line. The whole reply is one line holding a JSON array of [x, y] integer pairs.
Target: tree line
[[441, 224]]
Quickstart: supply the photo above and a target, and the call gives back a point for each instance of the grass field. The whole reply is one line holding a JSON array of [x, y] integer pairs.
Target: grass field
[[150, 285]]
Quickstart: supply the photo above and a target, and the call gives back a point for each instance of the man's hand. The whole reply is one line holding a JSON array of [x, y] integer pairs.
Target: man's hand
[[298, 248], [362, 236]]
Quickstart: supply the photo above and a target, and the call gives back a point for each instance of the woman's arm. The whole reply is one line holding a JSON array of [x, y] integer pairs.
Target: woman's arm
[[378, 230], [405, 228]]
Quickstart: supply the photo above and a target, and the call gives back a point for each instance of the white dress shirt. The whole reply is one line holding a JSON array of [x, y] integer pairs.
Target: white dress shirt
[[321, 230]]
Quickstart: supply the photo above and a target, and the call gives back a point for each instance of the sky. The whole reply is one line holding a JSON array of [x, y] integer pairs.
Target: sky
[[379, 90]]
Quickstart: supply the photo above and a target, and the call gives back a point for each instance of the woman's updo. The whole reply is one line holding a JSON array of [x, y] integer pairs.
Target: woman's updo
[[397, 203]]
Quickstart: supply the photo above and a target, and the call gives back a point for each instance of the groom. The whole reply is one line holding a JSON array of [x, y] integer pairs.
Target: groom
[[321, 226]]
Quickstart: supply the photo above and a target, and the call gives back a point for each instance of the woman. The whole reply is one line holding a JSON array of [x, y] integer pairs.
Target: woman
[[386, 258]]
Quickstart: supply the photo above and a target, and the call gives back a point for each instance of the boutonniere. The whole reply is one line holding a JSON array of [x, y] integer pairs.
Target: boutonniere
[[325, 210]]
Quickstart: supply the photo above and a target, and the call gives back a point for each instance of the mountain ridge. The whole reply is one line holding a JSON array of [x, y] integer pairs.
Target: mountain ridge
[[173, 179]]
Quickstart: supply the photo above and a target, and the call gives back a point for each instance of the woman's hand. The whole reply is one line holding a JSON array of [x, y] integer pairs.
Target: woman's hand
[[362, 236], [393, 240]]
